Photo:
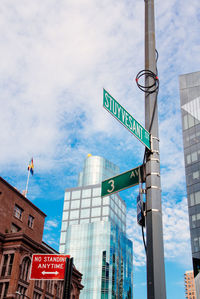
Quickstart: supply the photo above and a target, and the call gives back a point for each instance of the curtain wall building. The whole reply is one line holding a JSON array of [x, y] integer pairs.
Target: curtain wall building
[[94, 234], [190, 109]]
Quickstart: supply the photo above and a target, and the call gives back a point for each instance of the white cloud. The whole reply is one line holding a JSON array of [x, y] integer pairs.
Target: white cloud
[[176, 234], [55, 65], [51, 224]]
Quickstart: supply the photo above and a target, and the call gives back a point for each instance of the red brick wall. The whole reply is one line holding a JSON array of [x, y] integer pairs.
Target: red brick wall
[[8, 198]]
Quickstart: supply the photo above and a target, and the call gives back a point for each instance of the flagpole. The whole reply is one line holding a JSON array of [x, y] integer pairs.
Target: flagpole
[[26, 191]]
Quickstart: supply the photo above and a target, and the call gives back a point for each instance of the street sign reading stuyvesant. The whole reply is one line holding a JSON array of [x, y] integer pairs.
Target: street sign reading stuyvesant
[[122, 181], [48, 266], [110, 104]]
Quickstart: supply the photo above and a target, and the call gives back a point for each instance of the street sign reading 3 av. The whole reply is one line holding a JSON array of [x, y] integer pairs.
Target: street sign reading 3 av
[[122, 181]]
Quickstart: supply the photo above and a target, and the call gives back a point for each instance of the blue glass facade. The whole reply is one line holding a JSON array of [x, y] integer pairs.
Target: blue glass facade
[[95, 170], [190, 110], [93, 232]]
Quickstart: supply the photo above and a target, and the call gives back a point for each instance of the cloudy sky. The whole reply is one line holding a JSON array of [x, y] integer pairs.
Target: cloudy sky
[[56, 58]]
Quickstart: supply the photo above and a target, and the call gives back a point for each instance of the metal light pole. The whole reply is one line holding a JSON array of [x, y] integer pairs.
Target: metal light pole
[[154, 232], [68, 278]]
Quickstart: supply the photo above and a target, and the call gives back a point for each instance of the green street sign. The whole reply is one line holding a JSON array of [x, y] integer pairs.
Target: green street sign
[[112, 106], [122, 181]]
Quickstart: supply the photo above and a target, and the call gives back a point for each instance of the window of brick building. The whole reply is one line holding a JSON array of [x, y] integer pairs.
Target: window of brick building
[[18, 212], [49, 286], [6, 284], [21, 290], [5, 261], [10, 263], [15, 228], [36, 295], [4, 289], [30, 221], [25, 266], [59, 289], [7, 264], [38, 284]]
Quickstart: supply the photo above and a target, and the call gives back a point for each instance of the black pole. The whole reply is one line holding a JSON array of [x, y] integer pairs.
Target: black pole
[[156, 288], [68, 278]]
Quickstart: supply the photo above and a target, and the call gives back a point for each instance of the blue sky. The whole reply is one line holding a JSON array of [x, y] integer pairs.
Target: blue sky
[[56, 58]]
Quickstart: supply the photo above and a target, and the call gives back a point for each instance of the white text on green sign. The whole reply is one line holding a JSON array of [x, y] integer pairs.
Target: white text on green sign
[[110, 104], [122, 181]]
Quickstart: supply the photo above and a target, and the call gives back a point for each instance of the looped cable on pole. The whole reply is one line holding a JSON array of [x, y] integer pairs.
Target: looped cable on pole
[[150, 88]]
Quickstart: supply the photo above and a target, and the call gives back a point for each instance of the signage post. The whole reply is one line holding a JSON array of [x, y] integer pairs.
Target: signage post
[[68, 278], [154, 232]]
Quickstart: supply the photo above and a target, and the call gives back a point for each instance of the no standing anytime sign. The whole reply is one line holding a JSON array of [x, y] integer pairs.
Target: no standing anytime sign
[[48, 266]]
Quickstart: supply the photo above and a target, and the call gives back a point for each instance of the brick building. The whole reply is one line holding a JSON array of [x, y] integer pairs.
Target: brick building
[[21, 232], [190, 292]]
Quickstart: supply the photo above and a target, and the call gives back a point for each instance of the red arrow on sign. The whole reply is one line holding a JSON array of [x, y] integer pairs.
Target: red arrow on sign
[[48, 266]]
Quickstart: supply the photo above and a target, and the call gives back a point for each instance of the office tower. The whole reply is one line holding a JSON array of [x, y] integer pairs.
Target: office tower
[[94, 234], [190, 292], [190, 110]]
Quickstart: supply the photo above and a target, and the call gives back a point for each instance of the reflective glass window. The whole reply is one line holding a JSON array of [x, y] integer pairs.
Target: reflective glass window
[[84, 221], [66, 205], [73, 222], [85, 213], [67, 195], [120, 204], [196, 244], [118, 211], [65, 215], [185, 122], [188, 159], [75, 204], [193, 217], [190, 121], [123, 217], [191, 199], [85, 203], [62, 249], [74, 214], [86, 193], [105, 218], [64, 225], [63, 237], [96, 201], [105, 211], [195, 175], [124, 208], [111, 214], [197, 197], [96, 212], [76, 194], [95, 219], [112, 203], [97, 191], [194, 156], [106, 200]]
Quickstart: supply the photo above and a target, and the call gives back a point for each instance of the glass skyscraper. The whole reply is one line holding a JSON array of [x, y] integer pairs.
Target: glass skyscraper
[[94, 233], [190, 109]]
